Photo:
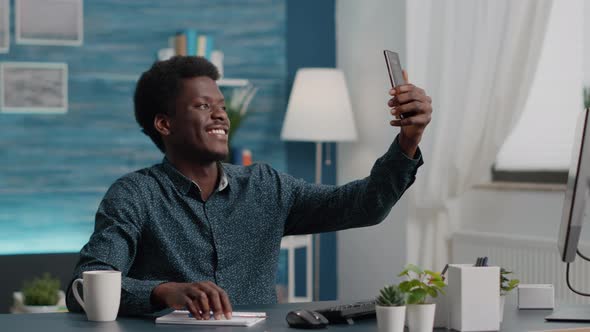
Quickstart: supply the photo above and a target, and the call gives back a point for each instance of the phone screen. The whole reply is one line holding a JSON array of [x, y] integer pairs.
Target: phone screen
[[394, 68]]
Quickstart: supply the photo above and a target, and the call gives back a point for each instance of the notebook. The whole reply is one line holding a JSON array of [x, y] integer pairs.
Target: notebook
[[238, 319]]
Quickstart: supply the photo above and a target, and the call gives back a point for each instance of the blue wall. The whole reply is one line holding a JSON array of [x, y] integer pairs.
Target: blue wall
[[311, 42], [54, 169]]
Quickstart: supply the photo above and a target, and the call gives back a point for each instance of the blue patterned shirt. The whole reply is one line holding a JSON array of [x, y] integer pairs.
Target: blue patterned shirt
[[153, 226]]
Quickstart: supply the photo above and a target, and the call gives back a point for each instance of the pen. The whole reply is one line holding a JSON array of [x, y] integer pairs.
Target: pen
[[485, 261]]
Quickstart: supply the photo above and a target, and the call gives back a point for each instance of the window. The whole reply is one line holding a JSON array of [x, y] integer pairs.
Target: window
[[539, 147]]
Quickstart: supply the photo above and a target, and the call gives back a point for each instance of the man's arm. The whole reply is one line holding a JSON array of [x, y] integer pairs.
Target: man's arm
[[113, 246], [366, 202]]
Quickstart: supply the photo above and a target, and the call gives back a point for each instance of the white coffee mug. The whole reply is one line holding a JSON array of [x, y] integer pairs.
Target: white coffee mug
[[102, 294]]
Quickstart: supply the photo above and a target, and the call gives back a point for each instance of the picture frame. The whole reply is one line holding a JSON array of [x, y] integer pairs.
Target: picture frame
[[33, 87], [4, 26], [49, 22]]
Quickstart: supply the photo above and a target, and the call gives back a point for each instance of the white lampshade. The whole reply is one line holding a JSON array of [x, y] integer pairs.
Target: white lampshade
[[319, 108]]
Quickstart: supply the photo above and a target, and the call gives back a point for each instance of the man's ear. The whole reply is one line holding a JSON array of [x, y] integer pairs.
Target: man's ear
[[162, 124]]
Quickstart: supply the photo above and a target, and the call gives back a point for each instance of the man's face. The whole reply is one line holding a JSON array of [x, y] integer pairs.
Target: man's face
[[200, 126]]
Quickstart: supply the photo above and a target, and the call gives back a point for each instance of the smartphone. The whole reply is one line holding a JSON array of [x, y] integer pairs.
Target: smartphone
[[394, 68]]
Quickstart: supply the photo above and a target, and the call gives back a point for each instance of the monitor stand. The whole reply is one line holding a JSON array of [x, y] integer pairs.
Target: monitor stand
[[570, 313]]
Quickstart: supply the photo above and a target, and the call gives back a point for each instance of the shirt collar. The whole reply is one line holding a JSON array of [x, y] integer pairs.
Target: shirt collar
[[184, 184]]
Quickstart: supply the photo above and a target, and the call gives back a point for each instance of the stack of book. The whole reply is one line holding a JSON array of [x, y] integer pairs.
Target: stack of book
[[189, 42]]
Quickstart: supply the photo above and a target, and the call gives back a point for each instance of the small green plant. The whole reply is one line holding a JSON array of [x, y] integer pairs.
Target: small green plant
[[391, 296], [587, 97], [420, 284], [41, 291], [507, 284], [236, 107]]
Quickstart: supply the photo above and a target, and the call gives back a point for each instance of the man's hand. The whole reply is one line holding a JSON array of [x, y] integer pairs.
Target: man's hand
[[198, 297], [412, 109]]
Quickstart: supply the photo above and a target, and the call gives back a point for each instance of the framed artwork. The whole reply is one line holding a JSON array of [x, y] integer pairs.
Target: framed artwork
[[49, 22], [4, 26], [33, 87]]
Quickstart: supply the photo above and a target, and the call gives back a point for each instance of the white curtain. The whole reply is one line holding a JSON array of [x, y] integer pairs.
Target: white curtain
[[476, 59]]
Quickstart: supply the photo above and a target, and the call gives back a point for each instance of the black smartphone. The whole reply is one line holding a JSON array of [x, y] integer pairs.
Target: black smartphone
[[394, 68]]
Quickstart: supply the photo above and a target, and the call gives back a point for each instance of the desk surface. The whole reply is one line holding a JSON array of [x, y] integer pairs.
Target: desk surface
[[514, 321]]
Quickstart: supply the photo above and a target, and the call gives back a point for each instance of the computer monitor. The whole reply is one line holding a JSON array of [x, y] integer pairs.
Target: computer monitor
[[575, 205], [577, 197]]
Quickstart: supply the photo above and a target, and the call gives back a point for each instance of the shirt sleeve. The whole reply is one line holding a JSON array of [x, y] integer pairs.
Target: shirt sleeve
[[113, 246], [366, 202]]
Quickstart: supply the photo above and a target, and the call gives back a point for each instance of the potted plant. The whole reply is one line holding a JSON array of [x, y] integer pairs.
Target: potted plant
[[39, 295], [236, 107], [506, 286], [391, 309], [420, 285]]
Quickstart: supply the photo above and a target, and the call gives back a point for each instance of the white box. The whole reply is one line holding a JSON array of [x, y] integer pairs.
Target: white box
[[474, 297], [536, 296]]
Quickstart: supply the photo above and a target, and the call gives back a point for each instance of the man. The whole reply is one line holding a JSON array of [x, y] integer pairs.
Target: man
[[196, 233]]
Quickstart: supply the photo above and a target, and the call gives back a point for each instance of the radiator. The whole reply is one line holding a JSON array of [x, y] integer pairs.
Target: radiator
[[534, 260]]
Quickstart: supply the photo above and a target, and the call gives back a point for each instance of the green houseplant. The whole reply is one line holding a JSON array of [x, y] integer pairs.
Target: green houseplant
[[391, 310], [42, 294], [506, 286], [236, 107], [419, 286]]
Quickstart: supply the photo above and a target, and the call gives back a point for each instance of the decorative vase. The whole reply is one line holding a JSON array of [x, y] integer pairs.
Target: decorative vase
[[421, 317], [390, 319]]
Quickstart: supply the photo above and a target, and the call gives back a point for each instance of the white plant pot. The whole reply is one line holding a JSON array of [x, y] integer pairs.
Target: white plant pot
[[20, 307], [39, 309], [391, 319], [502, 301], [421, 317]]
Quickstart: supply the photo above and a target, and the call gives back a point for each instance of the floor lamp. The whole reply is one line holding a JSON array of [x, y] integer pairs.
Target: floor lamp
[[319, 111]]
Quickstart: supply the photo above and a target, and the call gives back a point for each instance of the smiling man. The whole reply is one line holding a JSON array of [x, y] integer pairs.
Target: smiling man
[[195, 233]]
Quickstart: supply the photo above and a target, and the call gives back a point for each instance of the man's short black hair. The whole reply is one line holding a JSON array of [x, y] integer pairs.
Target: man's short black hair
[[157, 89]]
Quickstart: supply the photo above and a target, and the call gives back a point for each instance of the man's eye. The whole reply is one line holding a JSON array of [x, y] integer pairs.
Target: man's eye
[[203, 107]]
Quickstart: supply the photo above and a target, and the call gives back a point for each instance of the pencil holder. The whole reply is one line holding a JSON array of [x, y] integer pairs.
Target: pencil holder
[[474, 297]]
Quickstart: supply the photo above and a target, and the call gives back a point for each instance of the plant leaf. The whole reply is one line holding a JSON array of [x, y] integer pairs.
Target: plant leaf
[[405, 286], [417, 296], [432, 291], [439, 284], [414, 268]]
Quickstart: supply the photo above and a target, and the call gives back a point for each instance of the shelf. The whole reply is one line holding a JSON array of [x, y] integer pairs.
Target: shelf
[[91, 76], [233, 82]]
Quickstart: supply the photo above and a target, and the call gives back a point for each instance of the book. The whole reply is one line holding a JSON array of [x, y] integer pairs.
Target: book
[[205, 46], [191, 41], [180, 44], [238, 319]]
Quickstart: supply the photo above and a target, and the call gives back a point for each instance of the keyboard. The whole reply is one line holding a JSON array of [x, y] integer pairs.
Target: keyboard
[[345, 313]]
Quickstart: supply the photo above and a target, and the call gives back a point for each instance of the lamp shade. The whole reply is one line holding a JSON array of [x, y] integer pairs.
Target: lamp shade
[[319, 108]]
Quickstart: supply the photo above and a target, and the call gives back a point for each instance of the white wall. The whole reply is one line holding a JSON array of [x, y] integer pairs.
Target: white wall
[[512, 212], [371, 257]]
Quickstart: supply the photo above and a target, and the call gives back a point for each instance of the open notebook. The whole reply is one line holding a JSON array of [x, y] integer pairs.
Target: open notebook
[[238, 319]]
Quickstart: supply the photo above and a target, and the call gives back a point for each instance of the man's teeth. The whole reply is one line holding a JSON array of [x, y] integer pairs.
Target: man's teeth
[[217, 131]]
